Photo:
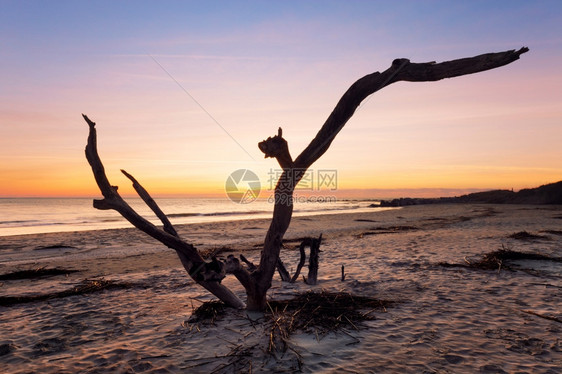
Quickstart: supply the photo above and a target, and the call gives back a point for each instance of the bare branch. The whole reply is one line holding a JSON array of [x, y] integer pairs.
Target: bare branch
[[301, 262], [278, 148], [313, 260], [401, 70], [258, 279], [233, 266], [143, 193], [282, 270], [206, 274], [251, 266]]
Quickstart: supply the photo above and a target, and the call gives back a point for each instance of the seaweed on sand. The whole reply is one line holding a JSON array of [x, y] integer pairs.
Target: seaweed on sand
[[314, 313], [87, 286], [327, 311], [498, 259], [207, 312], [387, 230], [552, 232], [322, 312], [310, 312], [54, 246], [524, 235], [35, 273]]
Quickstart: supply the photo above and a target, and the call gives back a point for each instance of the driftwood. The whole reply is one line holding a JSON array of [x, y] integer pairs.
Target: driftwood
[[301, 262], [257, 281], [205, 274], [314, 245], [283, 272]]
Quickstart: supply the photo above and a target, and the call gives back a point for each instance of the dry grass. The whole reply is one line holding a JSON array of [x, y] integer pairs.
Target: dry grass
[[318, 313]]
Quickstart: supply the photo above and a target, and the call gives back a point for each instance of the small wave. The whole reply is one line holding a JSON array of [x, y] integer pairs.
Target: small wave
[[215, 214], [7, 223], [29, 223], [323, 209]]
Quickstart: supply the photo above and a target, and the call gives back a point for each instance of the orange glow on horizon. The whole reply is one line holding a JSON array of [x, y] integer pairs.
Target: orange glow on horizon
[[220, 82]]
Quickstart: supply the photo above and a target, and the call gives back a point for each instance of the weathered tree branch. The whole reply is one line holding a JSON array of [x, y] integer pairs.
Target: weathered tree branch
[[145, 196], [207, 275], [282, 270], [301, 262], [278, 148], [400, 70], [312, 277], [257, 279]]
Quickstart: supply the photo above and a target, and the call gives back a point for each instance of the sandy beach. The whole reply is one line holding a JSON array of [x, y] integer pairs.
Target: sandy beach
[[447, 317]]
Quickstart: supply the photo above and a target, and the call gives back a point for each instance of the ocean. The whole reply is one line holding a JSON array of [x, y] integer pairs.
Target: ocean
[[20, 216]]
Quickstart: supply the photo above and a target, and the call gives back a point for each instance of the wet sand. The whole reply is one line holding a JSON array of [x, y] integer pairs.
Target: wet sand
[[445, 319]]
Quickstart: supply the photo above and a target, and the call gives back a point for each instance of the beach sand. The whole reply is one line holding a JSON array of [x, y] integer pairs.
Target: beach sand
[[445, 319]]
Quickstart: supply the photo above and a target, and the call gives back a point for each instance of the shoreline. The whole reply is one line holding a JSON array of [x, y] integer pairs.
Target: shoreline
[[446, 318], [84, 218]]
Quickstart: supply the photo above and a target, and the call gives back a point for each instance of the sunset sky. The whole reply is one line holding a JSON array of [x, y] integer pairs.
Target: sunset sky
[[182, 92]]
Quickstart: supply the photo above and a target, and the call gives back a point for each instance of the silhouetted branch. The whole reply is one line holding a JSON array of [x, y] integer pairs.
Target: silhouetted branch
[[206, 274], [282, 270], [313, 261], [278, 148], [400, 70], [257, 279], [145, 196], [301, 262]]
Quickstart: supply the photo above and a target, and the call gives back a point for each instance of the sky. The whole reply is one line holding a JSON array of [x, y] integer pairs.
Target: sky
[[182, 92]]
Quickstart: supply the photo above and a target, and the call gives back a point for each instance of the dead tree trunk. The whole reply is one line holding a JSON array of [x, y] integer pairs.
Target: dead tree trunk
[[257, 281], [314, 245], [313, 261]]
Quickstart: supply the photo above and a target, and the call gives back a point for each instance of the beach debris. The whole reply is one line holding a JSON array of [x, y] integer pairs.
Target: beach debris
[[545, 316], [317, 313], [6, 348], [498, 259], [250, 264], [314, 244], [207, 312], [387, 230], [55, 246], [87, 286], [36, 273], [282, 270], [552, 232], [524, 235], [50, 346], [313, 262], [257, 282]]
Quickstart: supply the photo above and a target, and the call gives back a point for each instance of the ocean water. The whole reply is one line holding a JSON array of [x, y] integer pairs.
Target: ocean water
[[43, 215]]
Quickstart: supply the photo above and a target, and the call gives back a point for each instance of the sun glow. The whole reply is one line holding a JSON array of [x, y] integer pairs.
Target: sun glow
[[182, 120]]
